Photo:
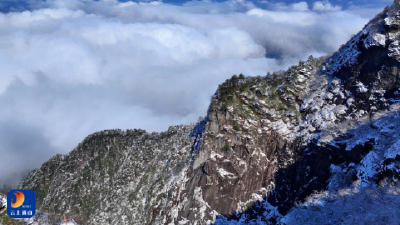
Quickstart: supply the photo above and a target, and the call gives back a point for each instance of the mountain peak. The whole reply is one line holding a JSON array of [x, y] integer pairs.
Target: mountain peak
[[266, 144]]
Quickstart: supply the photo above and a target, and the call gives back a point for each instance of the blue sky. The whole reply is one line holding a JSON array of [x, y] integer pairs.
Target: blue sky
[[18, 4]]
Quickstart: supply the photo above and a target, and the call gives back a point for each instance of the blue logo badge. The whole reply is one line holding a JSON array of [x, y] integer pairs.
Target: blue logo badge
[[21, 203]]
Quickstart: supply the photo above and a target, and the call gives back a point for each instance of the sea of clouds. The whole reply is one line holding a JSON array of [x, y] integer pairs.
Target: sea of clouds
[[69, 68]]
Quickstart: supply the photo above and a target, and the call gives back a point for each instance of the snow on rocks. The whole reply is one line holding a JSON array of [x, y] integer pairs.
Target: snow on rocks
[[383, 133], [394, 50], [214, 156], [361, 87], [3, 203], [393, 151], [225, 174], [369, 166], [203, 207], [347, 56], [374, 40]]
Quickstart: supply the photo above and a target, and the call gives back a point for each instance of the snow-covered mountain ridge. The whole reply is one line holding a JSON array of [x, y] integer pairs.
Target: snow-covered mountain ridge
[[295, 145]]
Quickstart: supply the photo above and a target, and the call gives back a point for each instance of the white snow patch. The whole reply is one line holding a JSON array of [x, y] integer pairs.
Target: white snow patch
[[214, 156], [368, 166], [226, 174], [393, 151], [361, 87], [3, 202], [374, 40], [183, 221]]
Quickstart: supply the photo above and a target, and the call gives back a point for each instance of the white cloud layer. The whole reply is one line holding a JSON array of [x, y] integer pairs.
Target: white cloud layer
[[325, 6], [69, 68], [300, 6]]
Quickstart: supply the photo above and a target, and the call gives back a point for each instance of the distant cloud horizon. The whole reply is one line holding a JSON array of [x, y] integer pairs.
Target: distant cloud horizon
[[20, 5], [73, 67]]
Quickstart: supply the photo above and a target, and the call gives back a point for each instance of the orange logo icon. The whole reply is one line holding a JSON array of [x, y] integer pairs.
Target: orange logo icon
[[19, 201]]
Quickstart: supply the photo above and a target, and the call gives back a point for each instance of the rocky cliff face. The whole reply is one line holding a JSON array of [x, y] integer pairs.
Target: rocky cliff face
[[114, 177], [265, 147]]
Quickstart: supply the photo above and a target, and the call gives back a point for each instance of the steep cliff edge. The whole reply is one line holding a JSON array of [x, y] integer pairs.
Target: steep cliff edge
[[275, 137], [265, 147]]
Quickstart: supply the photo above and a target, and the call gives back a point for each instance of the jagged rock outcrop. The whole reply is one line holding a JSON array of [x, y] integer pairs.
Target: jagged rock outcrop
[[266, 145]]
